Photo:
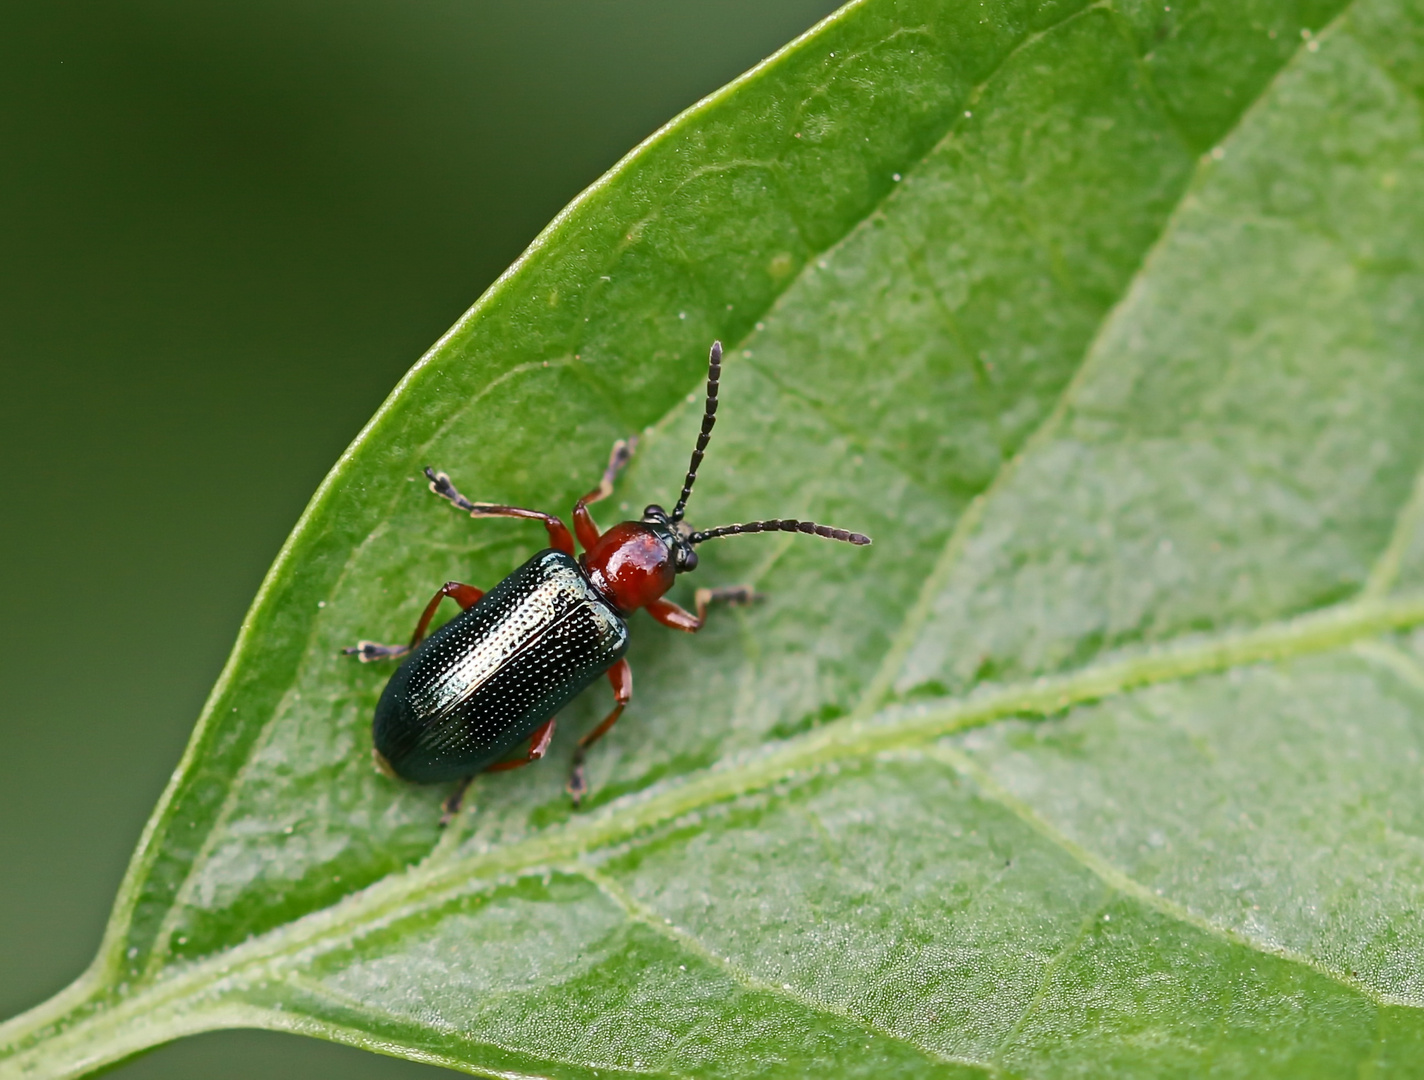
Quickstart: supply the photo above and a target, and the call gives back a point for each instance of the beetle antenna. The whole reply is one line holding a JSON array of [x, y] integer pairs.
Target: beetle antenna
[[709, 418], [786, 525]]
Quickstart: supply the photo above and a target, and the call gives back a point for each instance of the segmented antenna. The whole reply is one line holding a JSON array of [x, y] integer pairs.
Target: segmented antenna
[[709, 418], [787, 525]]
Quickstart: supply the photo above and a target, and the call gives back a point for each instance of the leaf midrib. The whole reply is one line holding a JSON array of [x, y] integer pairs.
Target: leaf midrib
[[434, 883]]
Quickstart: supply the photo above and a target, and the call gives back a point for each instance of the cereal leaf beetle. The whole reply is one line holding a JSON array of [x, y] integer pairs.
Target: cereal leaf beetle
[[499, 672]]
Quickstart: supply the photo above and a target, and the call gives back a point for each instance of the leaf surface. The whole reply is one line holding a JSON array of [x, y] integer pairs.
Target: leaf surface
[[1107, 322]]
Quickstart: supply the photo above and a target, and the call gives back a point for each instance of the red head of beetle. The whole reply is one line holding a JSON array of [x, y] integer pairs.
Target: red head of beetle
[[634, 563]]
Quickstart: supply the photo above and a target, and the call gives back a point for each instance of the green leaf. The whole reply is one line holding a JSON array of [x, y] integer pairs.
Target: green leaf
[[1107, 322]]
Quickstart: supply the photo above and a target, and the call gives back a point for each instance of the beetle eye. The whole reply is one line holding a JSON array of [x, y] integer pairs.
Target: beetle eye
[[686, 559]]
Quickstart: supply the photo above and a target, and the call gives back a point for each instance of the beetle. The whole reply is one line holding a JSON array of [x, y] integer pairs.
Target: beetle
[[499, 672]]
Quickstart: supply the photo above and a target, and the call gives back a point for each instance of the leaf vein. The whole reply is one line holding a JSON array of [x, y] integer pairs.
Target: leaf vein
[[1385, 572], [1122, 882], [363, 1040], [1395, 659], [881, 685], [1051, 969], [638, 912]]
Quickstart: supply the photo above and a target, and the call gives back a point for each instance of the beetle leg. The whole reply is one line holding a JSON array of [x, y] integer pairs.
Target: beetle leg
[[464, 595], [621, 676], [467, 596], [727, 594], [374, 650], [451, 806], [559, 536], [584, 525], [538, 743], [670, 614]]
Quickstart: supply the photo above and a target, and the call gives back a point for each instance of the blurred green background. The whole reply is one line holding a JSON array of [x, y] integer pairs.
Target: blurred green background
[[225, 232]]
